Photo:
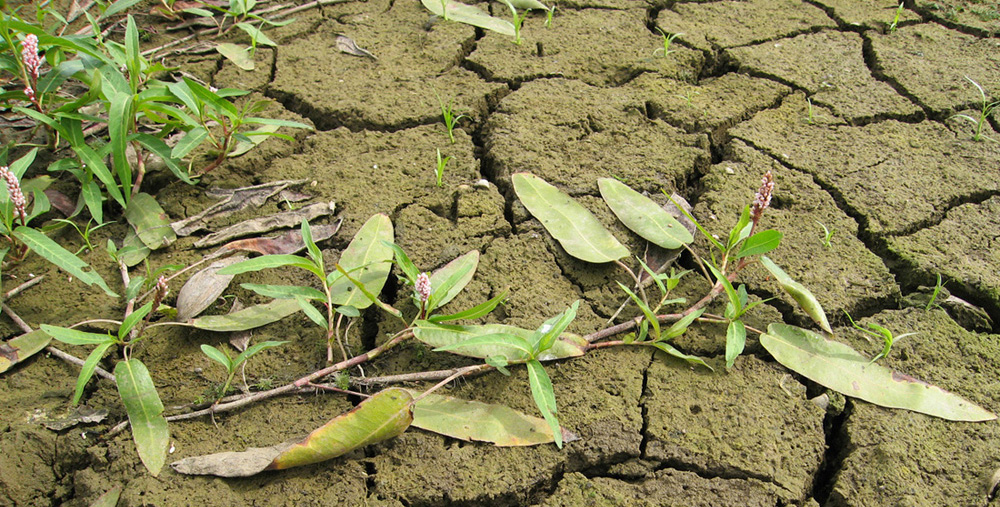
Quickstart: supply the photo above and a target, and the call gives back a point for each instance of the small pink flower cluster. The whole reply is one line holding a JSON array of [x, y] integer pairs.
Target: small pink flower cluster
[[423, 287], [763, 197], [14, 191], [32, 63], [161, 291]]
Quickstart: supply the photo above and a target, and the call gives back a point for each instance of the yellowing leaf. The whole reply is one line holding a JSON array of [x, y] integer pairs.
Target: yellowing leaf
[[481, 422], [841, 368]]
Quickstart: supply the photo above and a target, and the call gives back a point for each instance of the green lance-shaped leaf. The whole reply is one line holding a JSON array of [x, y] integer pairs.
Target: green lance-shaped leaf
[[760, 243], [736, 339], [20, 348], [145, 413], [475, 421], [64, 259], [462, 13], [480, 310], [448, 281], [643, 216], [669, 349], [841, 368], [799, 293], [367, 252], [248, 318], [545, 398], [439, 335], [576, 229], [385, 415]]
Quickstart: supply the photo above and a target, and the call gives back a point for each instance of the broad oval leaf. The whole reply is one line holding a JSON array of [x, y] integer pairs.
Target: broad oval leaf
[[839, 367], [451, 278], [474, 421], [576, 229], [204, 287], [643, 216], [439, 335], [367, 252], [799, 293], [385, 415], [151, 223], [239, 55], [462, 13], [145, 413], [248, 318]]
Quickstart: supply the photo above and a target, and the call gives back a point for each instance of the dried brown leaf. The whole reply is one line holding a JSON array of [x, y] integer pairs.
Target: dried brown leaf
[[288, 243], [268, 223], [659, 259], [203, 288], [347, 45], [233, 200]]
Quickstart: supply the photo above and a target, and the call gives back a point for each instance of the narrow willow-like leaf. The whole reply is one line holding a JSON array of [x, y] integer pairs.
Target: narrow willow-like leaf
[[134, 318], [439, 335], [448, 281], [736, 339], [678, 328], [545, 398], [799, 293], [475, 312], [145, 413], [385, 415], [839, 367], [576, 229], [20, 348], [462, 13], [734, 298], [64, 259], [475, 421], [548, 332], [669, 349], [285, 291], [74, 336], [646, 310], [367, 252], [643, 216], [760, 243], [87, 370], [248, 318], [270, 261]]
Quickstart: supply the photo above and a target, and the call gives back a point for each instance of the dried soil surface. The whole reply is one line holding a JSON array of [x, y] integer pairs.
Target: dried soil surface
[[855, 121]]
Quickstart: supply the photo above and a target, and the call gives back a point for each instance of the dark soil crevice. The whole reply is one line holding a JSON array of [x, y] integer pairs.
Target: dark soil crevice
[[878, 73], [714, 472], [644, 431], [924, 11], [838, 446], [331, 120]]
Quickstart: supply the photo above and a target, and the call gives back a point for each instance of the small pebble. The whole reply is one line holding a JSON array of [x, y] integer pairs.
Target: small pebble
[[483, 183]]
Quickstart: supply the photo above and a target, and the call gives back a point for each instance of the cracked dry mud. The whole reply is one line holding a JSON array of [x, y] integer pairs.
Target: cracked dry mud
[[880, 159]]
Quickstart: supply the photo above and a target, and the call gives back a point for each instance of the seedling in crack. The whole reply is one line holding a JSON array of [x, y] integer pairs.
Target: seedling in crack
[[895, 20], [668, 39], [827, 234], [887, 337], [448, 114], [985, 111], [439, 170]]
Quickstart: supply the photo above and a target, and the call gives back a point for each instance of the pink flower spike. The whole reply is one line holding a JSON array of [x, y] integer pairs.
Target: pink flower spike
[[14, 193], [29, 56], [762, 199], [423, 287]]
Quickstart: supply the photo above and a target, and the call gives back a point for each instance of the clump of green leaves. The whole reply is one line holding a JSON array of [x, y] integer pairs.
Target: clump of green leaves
[[986, 109], [231, 365]]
